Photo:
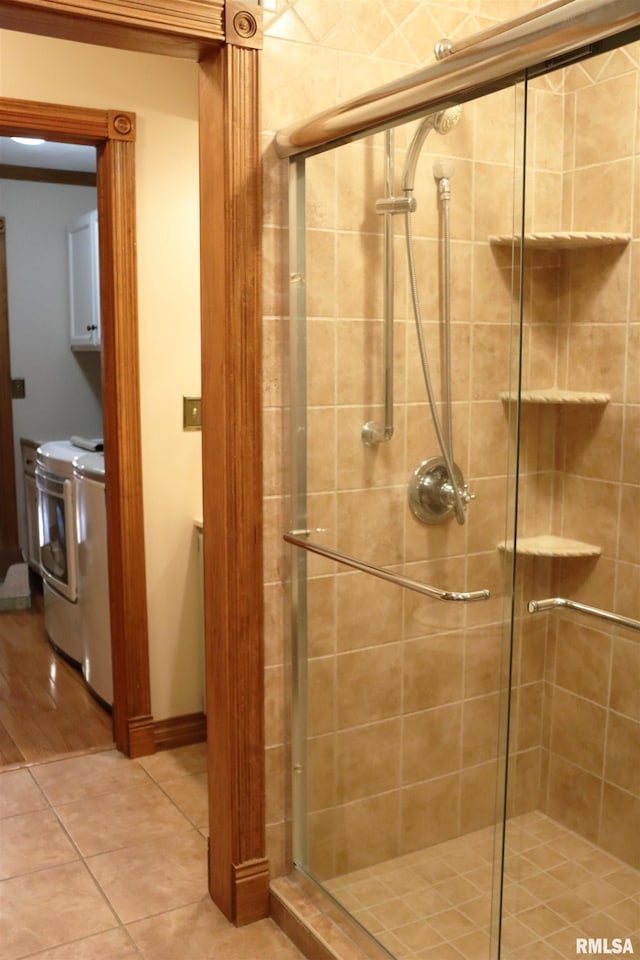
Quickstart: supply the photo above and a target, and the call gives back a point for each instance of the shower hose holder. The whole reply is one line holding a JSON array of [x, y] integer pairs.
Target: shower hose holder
[[431, 493]]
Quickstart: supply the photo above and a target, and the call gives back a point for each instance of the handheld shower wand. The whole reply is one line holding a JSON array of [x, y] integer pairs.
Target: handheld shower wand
[[442, 122]]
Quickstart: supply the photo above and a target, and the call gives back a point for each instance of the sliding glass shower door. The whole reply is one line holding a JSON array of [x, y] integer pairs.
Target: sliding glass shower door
[[571, 871], [464, 527], [402, 578]]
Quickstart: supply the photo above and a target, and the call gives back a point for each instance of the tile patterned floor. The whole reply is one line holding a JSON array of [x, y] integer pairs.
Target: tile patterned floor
[[104, 858], [435, 904]]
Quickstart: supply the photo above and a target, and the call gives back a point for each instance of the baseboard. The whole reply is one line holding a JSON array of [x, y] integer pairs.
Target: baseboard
[[180, 731]]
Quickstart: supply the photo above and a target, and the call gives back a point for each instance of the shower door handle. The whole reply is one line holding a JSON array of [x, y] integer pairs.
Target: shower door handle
[[552, 603], [424, 588]]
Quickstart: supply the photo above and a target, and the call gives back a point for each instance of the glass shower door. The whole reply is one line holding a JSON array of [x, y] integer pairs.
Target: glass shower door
[[571, 877], [401, 696]]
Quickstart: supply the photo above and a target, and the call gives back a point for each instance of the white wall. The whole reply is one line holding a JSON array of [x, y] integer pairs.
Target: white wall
[[63, 388], [163, 92]]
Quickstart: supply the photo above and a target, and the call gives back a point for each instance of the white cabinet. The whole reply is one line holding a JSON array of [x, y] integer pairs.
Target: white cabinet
[[84, 282]]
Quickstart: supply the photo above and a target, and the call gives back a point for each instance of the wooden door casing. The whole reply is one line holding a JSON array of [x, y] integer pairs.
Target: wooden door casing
[[220, 34]]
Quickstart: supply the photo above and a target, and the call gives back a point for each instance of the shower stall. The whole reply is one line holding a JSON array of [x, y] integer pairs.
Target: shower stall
[[465, 415]]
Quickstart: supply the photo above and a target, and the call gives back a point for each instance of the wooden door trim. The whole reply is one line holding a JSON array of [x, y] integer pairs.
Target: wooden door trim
[[176, 28], [9, 510], [230, 267], [230, 290], [113, 134]]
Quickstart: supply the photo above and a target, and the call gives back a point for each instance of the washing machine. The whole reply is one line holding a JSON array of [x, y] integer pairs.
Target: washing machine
[[93, 575], [58, 547]]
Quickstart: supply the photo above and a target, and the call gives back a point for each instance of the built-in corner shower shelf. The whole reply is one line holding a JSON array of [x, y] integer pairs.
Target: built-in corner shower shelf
[[555, 396], [549, 545], [563, 240]]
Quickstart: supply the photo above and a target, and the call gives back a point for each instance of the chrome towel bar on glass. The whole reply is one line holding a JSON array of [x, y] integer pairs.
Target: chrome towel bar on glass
[[383, 574], [537, 606]]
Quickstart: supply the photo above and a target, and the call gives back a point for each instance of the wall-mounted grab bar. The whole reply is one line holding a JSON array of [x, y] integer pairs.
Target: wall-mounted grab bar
[[434, 592], [537, 606], [487, 62]]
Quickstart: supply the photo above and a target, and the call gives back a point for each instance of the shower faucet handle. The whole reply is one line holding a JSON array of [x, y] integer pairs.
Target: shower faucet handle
[[465, 496], [463, 493], [434, 496]]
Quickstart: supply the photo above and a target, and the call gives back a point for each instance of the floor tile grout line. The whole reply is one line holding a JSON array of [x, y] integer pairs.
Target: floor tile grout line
[[177, 805], [80, 857], [87, 856], [66, 943], [584, 851], [189, 827], [162, 913], [114, 789], [52, 809], [607, 866], [57, 758], [102, 893], [49, 805], [41, 869], [118, 921]]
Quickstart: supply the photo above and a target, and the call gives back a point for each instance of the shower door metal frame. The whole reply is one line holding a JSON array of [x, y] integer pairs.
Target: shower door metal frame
[[538, 42], [298, 515], [566, 31], [299, 535]]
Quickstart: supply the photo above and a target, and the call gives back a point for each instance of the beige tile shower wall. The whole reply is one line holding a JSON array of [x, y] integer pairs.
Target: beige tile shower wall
[[592, 724], [434, 672], [418, 679]]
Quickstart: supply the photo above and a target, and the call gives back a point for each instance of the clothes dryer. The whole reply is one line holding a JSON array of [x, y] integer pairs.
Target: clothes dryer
[[58, 549]]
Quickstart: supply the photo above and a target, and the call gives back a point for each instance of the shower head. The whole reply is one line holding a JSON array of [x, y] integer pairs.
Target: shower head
[[446, 120], [442, 122]]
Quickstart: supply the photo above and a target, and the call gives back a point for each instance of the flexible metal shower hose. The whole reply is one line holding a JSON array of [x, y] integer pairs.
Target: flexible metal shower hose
[[445, 449]]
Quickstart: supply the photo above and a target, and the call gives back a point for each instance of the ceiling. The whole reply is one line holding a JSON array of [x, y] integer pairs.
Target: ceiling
[[55, 156]]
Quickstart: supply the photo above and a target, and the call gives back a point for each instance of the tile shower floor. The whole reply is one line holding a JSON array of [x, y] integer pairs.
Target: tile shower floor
[[105, 858], [434, 904]]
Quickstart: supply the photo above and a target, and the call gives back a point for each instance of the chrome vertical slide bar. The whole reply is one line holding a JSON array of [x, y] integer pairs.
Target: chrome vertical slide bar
[[553, 603], [373, 432], [428, 591]]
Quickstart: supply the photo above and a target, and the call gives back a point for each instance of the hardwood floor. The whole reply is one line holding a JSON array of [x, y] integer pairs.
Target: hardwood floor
[[45, 709]]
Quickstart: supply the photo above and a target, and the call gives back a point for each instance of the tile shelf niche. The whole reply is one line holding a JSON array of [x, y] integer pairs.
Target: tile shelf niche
[[549, 545], [563, 240]]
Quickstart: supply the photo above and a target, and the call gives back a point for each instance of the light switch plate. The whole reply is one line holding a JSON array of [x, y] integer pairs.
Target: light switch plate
[[18, 390], [192, 413]]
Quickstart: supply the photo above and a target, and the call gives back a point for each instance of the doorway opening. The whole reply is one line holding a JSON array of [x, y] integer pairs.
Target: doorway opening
[[55, 645], [112, 136]]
